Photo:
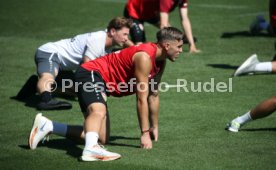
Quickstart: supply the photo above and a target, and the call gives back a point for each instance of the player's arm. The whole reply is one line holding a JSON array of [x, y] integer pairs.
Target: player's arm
[[164, 20], [153, 101], [128, 43], [143, 66], [85, 59], [186, 24]]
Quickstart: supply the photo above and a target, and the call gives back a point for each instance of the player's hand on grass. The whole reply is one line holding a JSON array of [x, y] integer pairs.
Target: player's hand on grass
[[146, 142], [193, 49], [154, 134]]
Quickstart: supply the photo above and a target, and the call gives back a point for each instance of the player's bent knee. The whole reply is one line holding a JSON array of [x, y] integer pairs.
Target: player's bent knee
[[97, 109], [46, 76], [274, 100]]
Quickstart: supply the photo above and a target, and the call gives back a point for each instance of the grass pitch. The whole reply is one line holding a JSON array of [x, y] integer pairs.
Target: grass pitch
[[191, 127]]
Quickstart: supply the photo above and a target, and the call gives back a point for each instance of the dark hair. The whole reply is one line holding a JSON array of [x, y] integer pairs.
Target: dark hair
[[169, 33], [118, 23]]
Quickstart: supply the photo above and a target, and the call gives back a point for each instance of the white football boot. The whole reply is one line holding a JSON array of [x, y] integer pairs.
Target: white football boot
[[98, 153], [233, 126], [248, 66], [41, 128]]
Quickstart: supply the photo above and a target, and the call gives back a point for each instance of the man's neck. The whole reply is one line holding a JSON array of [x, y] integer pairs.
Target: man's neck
[[108, 41], [160, 54]]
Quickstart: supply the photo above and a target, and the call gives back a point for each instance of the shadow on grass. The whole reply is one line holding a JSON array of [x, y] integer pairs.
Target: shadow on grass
[[114, 138], [122, 144], [258, 129], [31, 101], [72, 148], [28, 95], [244, 34], [60, 144], [223, 66], [230, 67]]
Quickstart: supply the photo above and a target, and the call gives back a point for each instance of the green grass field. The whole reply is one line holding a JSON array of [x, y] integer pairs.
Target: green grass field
[[191, 127]]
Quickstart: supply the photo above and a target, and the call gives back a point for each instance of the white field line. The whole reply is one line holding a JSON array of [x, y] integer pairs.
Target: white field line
[[264, 13], [113, 1], [222, 6]]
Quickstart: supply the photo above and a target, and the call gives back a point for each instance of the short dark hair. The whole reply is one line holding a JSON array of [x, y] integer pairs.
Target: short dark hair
[[118, 23], [169, 33]]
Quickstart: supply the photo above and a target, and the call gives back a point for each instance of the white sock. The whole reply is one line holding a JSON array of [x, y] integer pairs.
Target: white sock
[[91, 139], [264, 67], [244, 118], [59, 129]]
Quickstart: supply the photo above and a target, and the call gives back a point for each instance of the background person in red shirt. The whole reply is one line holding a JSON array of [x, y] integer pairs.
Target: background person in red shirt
[[144, 62], [157, 12]]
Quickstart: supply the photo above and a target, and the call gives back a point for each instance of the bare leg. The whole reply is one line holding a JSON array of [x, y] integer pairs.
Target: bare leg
[[96, 120], [105, 130], [264, 109], [45, 82], [75, 133], [44, 87], [273, 67]]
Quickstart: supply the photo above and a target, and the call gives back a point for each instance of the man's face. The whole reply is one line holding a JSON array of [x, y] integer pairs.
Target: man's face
[[120, 36], [174, 48]]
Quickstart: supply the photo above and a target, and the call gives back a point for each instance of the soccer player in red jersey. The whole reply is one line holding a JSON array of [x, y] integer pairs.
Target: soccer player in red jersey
[[157, 12], [135, 70]]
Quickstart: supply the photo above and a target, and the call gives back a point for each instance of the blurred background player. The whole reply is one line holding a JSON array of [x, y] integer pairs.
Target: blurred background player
[[157, 12], [140, 63], [67, 54], [260, 23], [262, 110]]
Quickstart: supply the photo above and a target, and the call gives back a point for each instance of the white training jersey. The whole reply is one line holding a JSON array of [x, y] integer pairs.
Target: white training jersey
[[71, 51]]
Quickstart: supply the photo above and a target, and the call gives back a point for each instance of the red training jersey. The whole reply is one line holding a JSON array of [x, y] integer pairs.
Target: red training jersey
[[150, 9], [118, 68]]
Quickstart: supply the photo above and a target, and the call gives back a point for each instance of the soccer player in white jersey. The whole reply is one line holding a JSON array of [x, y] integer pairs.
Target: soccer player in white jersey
[[67, 54]]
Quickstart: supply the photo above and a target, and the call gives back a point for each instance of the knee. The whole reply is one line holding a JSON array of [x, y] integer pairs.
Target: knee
[[45, 82], [273, 100], [46, 77], [96, 111], [99, 114]]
